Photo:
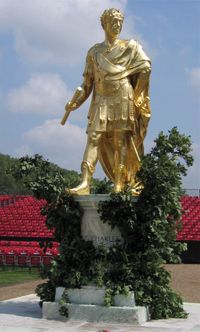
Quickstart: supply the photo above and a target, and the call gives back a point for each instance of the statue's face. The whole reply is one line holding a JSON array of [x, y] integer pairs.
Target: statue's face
[[114, 26]]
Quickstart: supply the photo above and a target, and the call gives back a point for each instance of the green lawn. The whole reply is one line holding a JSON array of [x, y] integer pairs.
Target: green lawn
[[11, 276]]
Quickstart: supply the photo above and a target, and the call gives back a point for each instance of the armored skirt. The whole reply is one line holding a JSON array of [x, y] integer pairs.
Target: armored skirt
[[112, 107]]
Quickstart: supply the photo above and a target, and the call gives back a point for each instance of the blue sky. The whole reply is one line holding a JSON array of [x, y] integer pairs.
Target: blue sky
[[43, 45]]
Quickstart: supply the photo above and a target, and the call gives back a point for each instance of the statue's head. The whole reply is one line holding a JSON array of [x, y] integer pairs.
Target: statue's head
[[112, 20]]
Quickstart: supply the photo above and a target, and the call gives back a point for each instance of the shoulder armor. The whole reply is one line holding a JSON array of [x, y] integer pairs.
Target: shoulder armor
[[127, 42], [133, 42]]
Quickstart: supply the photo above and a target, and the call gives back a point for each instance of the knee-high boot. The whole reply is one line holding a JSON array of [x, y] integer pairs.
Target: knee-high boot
[[84, 187], [119, 178]]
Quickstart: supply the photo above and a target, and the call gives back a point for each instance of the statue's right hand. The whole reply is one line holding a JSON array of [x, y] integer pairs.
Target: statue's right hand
[[70, 107]]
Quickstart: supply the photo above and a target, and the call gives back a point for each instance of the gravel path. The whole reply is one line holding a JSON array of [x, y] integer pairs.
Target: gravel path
[[25, 288], [185, 280]]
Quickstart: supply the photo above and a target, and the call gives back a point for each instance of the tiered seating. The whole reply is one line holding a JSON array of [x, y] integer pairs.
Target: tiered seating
[[21, 228], [22, 219], [25, 253], [5, 200], [190, 220]]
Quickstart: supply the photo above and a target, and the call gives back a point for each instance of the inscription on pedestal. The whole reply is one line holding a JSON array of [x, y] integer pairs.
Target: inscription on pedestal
[[92, 227]]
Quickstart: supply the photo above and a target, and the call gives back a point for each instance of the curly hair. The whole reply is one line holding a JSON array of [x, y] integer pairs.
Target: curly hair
[[110, 13]]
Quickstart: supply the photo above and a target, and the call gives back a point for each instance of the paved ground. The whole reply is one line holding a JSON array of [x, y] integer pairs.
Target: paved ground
[[24, 315]]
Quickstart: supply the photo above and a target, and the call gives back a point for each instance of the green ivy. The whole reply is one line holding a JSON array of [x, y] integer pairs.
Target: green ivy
[[63, 310], [46, 291]]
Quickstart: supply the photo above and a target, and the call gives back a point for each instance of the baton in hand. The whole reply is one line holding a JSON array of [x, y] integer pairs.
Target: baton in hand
[[73, 103]]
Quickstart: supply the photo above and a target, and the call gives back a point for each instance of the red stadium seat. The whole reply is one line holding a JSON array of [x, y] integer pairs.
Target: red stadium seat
[[2, 259], [35, 260], [22, 260], [10, 259], [46, 260]]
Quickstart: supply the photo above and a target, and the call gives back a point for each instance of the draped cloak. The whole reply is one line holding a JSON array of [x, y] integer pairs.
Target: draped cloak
[[116, 74]]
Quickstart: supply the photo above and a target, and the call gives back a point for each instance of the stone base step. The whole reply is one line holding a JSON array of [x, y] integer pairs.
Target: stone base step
[[94, 313]]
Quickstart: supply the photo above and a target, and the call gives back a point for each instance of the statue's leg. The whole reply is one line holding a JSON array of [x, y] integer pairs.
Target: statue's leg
[[88, 165], [120, 159]]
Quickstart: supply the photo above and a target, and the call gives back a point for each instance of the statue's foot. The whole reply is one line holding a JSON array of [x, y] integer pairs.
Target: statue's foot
[[118, 188], [137, 189], [82, 189], [135, 192]]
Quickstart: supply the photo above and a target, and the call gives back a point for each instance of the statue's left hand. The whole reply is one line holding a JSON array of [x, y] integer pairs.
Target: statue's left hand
[[142, 103], [139, 101]]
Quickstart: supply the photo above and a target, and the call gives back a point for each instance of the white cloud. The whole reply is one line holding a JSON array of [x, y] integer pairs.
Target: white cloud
[[63, 145], [195, 77], [52, 31], [43, 94]]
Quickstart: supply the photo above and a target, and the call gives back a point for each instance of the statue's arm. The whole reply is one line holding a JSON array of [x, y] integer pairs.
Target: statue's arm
[[141, 87], [82, 92]]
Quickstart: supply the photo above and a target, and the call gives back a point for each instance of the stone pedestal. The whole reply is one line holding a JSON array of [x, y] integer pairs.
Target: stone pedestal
[[87, 303], [92, 228], [94, 295]]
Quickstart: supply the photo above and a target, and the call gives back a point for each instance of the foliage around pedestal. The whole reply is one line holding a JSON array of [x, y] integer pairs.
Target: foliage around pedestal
[[148, 226]]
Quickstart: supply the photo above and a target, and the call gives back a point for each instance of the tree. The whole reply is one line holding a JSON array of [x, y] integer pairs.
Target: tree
[[8, 184]]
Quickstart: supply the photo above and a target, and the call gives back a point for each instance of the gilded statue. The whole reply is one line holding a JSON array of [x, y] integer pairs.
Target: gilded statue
[[117, 74]]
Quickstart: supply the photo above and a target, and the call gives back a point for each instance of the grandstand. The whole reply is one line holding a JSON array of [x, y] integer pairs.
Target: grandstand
[[190, 232], [22, 228]]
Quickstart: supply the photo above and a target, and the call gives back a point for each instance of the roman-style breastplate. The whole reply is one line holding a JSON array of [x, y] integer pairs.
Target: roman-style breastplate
[[108, 88]]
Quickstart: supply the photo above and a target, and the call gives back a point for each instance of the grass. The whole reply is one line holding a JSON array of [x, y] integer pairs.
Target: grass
[[15, 275]]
